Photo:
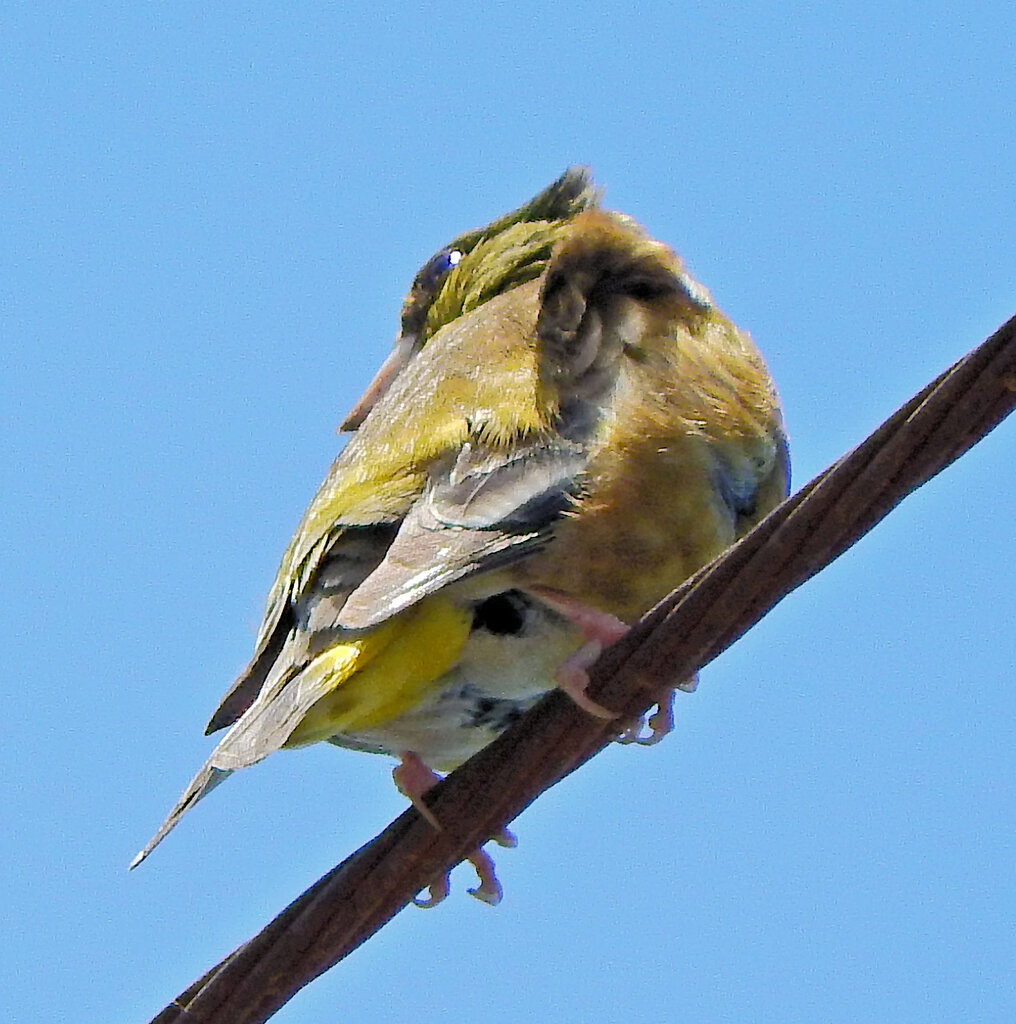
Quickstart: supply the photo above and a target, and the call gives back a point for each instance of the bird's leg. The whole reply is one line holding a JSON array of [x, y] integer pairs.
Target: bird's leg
[[573, 678], [412, 779], [600, 630]]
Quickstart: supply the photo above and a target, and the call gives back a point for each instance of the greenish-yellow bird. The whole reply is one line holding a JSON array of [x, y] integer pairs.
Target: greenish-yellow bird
[[566, 429]]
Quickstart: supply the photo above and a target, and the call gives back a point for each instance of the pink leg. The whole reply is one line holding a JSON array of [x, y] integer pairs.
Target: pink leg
[[413, 778], [573, 678], [600, 630]]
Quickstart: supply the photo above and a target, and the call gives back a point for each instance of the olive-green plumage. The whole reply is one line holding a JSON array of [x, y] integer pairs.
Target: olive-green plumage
[[565, 413]]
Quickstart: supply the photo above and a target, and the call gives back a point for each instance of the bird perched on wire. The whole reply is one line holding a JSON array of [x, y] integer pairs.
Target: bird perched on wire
[[566, 429]]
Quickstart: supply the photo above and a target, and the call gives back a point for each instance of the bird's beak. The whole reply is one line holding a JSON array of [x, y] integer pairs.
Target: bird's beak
[[405, 349]]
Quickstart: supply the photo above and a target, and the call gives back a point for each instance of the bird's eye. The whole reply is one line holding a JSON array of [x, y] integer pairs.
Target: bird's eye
[[436, 267]]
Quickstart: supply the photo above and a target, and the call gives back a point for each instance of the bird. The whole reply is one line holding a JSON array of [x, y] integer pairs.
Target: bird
[[567, 428]]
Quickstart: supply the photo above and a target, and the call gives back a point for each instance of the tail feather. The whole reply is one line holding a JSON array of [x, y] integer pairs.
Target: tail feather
[[204, 782]]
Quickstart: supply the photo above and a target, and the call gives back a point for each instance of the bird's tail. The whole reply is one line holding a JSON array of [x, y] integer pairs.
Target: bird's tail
[[204, 782]]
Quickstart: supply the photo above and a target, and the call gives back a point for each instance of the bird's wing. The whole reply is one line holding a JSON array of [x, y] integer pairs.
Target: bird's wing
[[752, 478], [353, 555], [488, 509]]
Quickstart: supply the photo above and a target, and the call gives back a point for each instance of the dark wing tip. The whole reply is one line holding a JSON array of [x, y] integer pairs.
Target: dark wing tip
[[207, 778]]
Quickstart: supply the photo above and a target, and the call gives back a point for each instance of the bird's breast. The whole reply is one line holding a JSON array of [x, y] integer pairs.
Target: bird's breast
[[646, 522]]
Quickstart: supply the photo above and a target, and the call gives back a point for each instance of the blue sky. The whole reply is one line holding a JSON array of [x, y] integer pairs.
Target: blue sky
[[210, 214]]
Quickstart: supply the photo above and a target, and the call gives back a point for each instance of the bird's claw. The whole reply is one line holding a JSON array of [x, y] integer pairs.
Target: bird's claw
[[438, 890], [505, 838], [661, 722], [489, 890]]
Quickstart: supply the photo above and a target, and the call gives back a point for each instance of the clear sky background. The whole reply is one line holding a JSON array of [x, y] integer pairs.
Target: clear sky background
[[208, 217]]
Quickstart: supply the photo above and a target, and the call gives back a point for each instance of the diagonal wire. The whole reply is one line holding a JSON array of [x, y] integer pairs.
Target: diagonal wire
[[684, 632]]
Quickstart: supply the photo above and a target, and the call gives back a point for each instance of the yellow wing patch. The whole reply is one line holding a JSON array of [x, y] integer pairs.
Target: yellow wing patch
[[378, 676]]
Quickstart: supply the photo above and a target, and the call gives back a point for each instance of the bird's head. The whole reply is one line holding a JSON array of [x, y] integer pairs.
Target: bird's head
[[476, 266]]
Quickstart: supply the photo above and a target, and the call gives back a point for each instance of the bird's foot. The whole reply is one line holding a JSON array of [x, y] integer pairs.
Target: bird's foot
[[600, 630], [413, 779], [661, 722]]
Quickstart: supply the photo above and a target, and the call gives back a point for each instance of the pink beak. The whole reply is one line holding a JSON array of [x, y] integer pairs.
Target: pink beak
[[398, 359]]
